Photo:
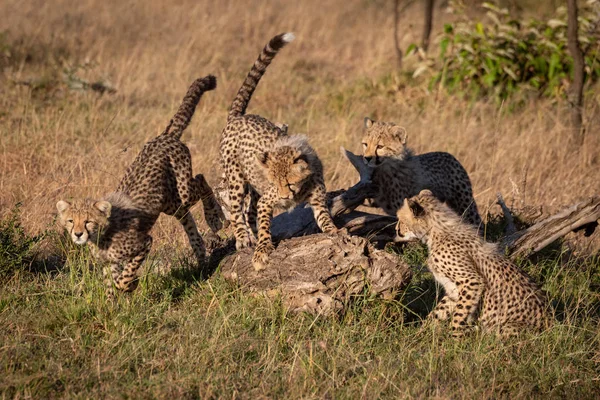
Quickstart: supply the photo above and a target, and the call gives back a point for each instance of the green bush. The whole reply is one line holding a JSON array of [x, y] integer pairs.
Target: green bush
[[15, 244], [502, 55]]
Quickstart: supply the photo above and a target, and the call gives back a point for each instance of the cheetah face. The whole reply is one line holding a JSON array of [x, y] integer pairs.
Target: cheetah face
[[287, 169], [382, 141], [83, 219], [412, 221]]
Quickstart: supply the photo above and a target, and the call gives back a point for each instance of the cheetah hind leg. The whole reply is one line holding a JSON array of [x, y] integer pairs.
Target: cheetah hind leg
[[252, 208], [241, 230], [128, 280], [189, 225], [213, 213], [470, 293]]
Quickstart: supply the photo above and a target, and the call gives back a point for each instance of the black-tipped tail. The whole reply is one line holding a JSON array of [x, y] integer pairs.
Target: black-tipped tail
[[240, 103], [182, 118]]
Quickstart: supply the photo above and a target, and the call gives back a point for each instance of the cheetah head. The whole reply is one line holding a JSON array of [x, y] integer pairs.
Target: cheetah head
[[287, 169], [382, 141], [414, 218], [83, 219]]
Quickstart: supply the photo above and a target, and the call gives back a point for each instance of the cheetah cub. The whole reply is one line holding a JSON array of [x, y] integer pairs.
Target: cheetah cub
[[159, 180], [400, 174], [479, 282], [262, 162]]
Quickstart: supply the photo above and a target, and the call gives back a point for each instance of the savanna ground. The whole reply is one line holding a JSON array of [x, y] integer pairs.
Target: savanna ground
[[179, 336]]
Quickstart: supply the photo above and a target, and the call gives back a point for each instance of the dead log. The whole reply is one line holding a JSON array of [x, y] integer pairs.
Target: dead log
[[319, 273], [583, 215]]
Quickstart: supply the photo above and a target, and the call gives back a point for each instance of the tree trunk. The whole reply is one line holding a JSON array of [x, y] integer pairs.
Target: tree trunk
[[576, 90], [396, 41], [428, 24]]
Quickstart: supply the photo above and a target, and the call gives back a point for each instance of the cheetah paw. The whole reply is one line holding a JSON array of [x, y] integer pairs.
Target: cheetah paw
[[260, 258], [247, 241]]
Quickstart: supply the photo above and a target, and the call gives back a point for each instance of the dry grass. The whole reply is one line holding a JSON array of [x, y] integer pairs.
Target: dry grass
[[57, 143]]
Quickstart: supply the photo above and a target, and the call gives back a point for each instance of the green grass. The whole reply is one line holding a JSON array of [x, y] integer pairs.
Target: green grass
[[185, 338]]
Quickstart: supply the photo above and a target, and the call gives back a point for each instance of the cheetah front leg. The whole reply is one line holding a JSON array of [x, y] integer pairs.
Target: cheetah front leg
[[128, 281], [318, 203], [110, 274], [444, 309], [470, 290], [189, 225], [264, 247]]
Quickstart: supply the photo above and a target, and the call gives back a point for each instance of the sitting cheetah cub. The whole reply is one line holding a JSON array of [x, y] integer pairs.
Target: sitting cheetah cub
[[159, 180], [400, 174], [261, 161], [478, 281]]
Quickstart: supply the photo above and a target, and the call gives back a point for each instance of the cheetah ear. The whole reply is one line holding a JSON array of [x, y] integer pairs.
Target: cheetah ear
[[416, 208], [262, 159], [425, 193], [62, 206], [400, 133], [104, 207], [368, 122]]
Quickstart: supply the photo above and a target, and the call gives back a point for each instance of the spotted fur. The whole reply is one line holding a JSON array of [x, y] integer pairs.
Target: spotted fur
[[479, 282], [401, 174], [159, 180], [262, 163]]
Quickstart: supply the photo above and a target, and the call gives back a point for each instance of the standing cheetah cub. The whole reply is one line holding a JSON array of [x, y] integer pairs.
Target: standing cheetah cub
[[261, 161], [159, 180], [478, 281], [400, 174]]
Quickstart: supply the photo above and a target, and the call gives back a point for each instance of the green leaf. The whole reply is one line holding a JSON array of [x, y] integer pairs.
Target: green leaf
[[479, 28], [411, 48]]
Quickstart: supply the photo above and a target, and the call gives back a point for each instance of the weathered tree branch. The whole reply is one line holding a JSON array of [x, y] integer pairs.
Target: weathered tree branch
[[584, 215], [428, 24]]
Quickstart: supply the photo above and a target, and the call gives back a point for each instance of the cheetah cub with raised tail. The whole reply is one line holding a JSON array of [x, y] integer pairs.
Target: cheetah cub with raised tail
[[479, 282], [261, 161], [399, 173], [159, 180]]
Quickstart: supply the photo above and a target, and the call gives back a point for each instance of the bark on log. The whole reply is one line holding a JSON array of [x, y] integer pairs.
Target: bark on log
[[584, 215], [319, 273]]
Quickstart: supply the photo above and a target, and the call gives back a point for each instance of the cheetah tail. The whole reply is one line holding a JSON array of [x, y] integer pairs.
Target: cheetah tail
[[238, 107], [184, 114]]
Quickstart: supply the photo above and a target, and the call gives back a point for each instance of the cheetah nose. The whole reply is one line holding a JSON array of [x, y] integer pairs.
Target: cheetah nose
[[368, 160], [78, 234]]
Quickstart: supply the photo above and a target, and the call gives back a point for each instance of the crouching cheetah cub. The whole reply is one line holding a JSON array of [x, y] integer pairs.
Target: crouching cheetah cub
[[159, 180], [400, 174], [261, 161], [478, 281]]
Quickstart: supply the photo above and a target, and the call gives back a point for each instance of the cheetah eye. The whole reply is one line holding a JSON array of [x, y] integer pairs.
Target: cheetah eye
[[70, 221], [379, 147], [364, 145]]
